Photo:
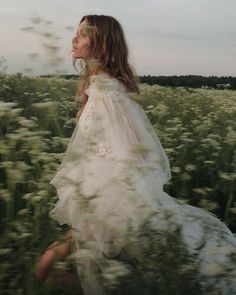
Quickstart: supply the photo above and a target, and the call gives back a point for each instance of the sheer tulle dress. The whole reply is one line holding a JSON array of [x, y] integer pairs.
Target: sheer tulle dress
[[111, 180]]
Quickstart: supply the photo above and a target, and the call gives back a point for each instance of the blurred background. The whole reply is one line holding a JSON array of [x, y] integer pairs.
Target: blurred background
[[165, 37]]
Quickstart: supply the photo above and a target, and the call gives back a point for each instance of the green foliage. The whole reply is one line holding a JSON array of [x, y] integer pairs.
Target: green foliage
[[163, 266], [197, 130]]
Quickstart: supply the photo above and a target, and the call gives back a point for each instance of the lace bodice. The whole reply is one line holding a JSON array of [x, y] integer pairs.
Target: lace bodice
[[102, 86]]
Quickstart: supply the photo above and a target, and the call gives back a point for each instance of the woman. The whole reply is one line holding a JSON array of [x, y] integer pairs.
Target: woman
[[111, 179]]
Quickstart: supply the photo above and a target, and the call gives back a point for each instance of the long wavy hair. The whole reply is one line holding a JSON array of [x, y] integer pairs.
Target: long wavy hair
[[108, 53]]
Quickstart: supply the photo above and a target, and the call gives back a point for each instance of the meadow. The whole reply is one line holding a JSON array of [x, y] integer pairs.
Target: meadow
[[196, 127]]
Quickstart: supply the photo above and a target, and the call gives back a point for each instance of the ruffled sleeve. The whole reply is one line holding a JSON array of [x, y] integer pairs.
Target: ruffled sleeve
[[114, 169], [124, 130]]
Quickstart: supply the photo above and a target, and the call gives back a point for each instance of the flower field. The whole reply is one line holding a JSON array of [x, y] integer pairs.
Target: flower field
[[197, 128]]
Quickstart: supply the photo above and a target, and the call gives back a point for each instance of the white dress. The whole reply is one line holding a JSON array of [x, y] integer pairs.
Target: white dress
[[111, 180]]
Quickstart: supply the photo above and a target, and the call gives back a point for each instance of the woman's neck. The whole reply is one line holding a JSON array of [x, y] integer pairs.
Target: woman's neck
[[94, 66]]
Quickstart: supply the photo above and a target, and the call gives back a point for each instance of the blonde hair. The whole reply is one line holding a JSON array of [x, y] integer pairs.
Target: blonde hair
[[109, 53]]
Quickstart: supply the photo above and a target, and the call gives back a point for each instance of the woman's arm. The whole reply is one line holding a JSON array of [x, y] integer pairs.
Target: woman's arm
[[57, 251]]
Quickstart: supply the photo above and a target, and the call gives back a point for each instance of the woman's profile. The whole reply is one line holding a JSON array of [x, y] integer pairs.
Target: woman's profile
[[111, 178]]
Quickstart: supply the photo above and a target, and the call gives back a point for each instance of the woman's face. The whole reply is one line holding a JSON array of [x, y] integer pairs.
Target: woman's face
[[81, 42]]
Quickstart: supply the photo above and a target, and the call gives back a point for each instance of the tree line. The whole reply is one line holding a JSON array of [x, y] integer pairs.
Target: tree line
[[192, 81]]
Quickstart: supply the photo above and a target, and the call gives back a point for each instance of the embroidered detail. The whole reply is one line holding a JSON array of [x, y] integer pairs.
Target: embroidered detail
[[112, 93], [89, 114], [104, 149], [104, 86]]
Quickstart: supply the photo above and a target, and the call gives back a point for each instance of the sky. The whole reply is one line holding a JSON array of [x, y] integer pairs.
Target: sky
[[164, 37]]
